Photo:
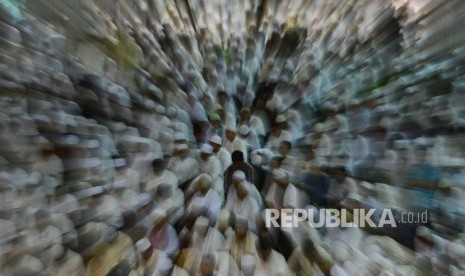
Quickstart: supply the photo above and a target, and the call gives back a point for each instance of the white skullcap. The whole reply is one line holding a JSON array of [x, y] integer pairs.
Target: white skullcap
[[179, 136], [181, 147], [201, 224], [280, 119], [423, 232], [160, 109], [206, 148], [244, 130], [57, 251], [318, 128], [164, 266], [171, 111], [239, 175], [248, 265], [157, 215], [256, 159], [230, 127], [223, 218], [216, 140], [143, 199], [143, 244], [279, 175]]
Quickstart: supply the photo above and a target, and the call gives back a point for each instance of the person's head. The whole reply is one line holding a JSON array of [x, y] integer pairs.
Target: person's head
[[237, 157], [242, 190], [201, 226], [284, 148], [244, 131], [308, 248], [216, 143], [264, 248], [245, 114], [61, 190], [207, 265], [204, 183], [182, 151], [145, 248], [158, 165], [163, 191], [339, 173], [230, 134], [280, 176], [241, 227], [275, 162], [238, 177], [206, 151], [215, 120]]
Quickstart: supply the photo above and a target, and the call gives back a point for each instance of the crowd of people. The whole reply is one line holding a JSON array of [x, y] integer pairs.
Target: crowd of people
[[149, 137]]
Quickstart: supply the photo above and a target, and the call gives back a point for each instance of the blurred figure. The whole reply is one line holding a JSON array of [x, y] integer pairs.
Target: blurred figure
[[64, 262], [422, 178], [162, 236], [220, 152], [238, 163], [184, 166], [160, 175], [270, 262], [242, 243]]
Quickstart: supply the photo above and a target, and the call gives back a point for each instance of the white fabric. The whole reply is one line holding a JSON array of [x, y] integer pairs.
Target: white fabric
[[166, 177], [184, 168]]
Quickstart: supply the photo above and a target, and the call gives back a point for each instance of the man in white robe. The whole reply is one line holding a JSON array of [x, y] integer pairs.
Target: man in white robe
[[206, 239], [233, 143], [65, 262], [278, 135], [209, 163], [205, 199], [244, 205], [184, 166], [160, 175], [269, 261], [220, 152]]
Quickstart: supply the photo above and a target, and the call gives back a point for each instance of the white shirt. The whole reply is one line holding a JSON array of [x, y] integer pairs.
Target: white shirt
[[273, 140], [211, 166], [166, 177], [184, 168], [225, 158], [108, 211]]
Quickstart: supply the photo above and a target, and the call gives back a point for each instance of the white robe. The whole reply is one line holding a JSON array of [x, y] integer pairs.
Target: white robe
[[184, 169], [212, 166], [273, 141], [237, 145], [211, 202], [166, 177], [211, 242], [225, 158]]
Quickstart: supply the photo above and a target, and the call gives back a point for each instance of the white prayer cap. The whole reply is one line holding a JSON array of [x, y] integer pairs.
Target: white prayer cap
[[223, 218], [319, 128], [178, 136], [57, 251], [341, 254], [423, 232], [239, 175], [216, 140], [143, 244], [201, 224], [443, 183], [280, 118], [206, 148], [164, 266], [279, 175], [143, 199], [160, 109], [181, 147], [157, 215], [244, 130], [119, 162], [171, 111], [248, 265], [205, 178], [256, 159]]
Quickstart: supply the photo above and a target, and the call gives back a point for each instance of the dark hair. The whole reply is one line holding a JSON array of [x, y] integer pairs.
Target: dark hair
[[157, 162], [277, 158], [286, 143], [237, 156], [264, 244]]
